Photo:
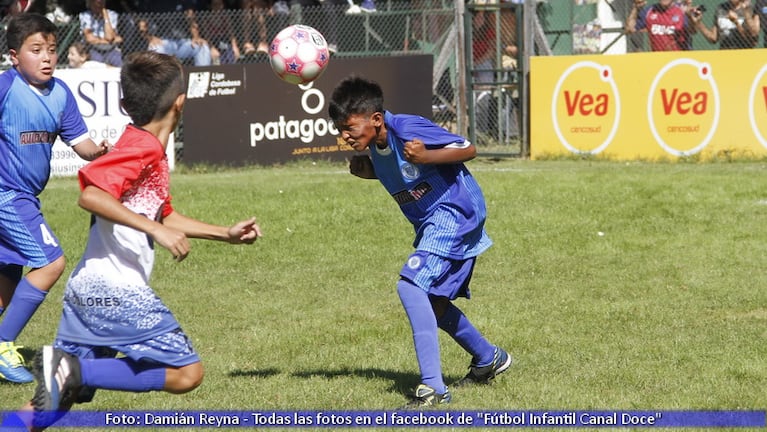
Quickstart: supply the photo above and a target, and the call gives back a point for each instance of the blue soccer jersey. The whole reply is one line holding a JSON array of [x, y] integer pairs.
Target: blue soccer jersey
[[30, 121], [443, 202]]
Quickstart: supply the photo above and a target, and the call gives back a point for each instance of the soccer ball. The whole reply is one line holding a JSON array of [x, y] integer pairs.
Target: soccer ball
[[299, 54]]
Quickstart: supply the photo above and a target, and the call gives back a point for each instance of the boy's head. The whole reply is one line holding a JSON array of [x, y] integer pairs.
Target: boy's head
[[77, 55], [152, 85], [356, 108], [32, 46]]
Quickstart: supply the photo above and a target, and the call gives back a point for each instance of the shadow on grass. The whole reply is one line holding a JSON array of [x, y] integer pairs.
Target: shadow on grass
[[262, 373], [402, 382]]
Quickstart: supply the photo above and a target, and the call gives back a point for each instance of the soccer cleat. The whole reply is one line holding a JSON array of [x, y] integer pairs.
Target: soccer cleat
[[12, 364], [426, 396], [58, 379], [485, 374]]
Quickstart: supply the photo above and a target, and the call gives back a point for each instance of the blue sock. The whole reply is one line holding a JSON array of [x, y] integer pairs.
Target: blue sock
[[455, 323], [23, 305], [424, 326], [122, 374]]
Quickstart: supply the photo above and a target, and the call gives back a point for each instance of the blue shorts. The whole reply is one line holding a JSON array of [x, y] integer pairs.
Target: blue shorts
[[25, 237], [439, 276], [172, 349]]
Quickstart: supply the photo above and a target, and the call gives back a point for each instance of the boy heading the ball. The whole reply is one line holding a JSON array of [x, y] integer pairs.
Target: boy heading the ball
[[127, 193], [421, 165]]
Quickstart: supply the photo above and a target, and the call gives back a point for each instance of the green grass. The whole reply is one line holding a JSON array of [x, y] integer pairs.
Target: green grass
[[666, 310]]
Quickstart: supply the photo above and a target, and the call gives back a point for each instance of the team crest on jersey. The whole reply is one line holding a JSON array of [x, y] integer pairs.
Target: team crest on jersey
[[414, 262], [409, 171], [675, 18]]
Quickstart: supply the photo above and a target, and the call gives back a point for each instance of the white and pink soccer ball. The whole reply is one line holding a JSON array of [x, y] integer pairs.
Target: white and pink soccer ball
[[299, 54]]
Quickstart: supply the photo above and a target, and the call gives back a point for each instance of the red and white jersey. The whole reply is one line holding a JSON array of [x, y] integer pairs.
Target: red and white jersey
[[666, 28], [136, 173], [108, 299]]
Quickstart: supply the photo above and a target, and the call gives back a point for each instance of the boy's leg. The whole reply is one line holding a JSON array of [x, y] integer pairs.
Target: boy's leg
[[29, 294], [27, 241], [453, 321], [487, 360], [425, 338]]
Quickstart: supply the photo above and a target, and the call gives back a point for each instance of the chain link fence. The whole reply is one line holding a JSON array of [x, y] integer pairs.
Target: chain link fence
[[480, 48]]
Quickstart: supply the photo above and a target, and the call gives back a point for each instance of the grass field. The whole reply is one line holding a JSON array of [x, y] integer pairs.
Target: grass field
[[614, 285]]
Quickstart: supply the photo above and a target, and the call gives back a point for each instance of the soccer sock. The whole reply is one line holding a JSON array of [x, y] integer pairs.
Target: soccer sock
[[122, 374], [424, 326], [458, 326], [23, 305]]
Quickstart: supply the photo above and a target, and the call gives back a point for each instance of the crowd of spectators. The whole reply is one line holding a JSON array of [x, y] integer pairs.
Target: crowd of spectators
[[671, 24], [199, 32]]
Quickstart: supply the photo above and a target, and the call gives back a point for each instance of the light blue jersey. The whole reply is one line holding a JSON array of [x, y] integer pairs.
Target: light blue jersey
[[30, 121], [443, 202]]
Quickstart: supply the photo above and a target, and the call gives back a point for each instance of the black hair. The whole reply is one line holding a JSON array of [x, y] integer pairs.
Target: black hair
[[25, 25], [150, 83], [355, 95]]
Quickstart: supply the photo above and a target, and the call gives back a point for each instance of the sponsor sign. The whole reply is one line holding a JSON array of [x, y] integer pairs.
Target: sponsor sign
[[240, 114], [98, 96], [650, 106]]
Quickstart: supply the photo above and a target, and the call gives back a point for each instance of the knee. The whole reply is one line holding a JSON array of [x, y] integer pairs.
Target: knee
[[189, 379], [45, 277]]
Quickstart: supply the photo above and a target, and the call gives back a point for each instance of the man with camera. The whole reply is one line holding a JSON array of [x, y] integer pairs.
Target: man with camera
[[736, 25]]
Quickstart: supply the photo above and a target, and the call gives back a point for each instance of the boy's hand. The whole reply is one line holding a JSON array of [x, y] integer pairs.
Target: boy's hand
[[175, 241], [415, 151], [244, 232]]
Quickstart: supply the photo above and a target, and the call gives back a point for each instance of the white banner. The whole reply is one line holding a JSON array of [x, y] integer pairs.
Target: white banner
[[98, 96]]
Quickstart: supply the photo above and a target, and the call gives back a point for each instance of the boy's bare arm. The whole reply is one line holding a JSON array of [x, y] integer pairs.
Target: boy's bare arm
[[89, 150], [101, 203], [246, 231]]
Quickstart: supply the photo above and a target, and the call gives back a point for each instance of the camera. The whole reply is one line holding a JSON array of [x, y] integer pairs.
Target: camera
[[699, 10]]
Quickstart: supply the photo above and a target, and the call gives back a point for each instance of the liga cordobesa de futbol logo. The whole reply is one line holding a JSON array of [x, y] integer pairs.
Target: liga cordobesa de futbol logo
[[585, 107], [683, 107]]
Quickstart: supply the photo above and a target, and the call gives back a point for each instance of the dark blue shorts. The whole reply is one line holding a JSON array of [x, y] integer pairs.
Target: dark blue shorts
[[439, 276]]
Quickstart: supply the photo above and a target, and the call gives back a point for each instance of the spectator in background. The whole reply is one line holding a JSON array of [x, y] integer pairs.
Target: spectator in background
[[218, 29], [368, 6], [736, 25], [98, 26], [173, 29], [509, 37], [666, 23], [483, 47], [78, 58], [261, 19]]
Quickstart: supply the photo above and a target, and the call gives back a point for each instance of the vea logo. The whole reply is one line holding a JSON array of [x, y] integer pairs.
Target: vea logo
[[585, 108], [757, 106], [683, 107]]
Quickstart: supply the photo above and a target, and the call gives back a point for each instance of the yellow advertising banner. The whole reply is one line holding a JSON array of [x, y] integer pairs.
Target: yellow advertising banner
[[650, 106]]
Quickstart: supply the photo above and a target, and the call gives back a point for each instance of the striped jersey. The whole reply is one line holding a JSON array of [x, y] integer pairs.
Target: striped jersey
[[30, 121], [442, 201]]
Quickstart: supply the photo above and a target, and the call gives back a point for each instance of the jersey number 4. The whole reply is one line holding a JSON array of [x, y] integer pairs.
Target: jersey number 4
[[48, 238]]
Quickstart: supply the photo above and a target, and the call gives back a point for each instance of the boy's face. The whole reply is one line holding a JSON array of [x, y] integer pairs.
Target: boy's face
[[36, 59], [75, 58], [360, 130]]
